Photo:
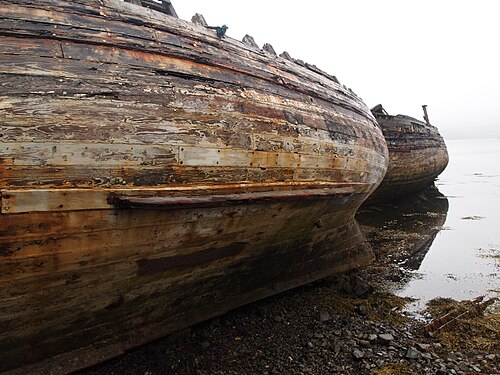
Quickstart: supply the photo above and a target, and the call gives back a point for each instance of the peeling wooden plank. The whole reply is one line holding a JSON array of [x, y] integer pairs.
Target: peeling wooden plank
[[169, 203]]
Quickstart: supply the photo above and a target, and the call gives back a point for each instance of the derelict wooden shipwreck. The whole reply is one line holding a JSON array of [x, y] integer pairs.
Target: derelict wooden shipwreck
[[417, 155], [153, 175]]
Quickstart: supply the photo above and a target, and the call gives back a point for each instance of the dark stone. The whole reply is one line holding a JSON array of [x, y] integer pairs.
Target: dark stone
[[355, 286], [372, 337], [413, 353], [362, 310], [205, 345], [358, 354], [423, 347], [386, 338], [427, 356], [364, 343], [324, 316], [463, 366]]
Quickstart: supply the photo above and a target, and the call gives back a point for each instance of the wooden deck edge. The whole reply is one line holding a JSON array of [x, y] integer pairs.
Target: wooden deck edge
[[45, 200]]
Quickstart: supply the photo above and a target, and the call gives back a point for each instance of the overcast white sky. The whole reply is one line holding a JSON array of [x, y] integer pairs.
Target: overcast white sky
[[403, 54]]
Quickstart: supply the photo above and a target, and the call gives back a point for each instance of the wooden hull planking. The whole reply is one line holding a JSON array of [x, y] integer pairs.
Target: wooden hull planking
[[417, 155], [153, 175]]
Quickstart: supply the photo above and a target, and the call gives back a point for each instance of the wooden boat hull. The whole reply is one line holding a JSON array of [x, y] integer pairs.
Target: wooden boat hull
[[153, 175], [417, 155]]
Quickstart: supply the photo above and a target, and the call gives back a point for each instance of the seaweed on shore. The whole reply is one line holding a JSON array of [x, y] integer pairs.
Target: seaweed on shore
[[473, 328]]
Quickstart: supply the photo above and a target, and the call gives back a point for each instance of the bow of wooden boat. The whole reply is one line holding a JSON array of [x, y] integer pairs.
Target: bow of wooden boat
[[153, 174]]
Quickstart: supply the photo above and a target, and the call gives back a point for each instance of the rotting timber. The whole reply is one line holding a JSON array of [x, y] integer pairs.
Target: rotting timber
[[417, 155], [154, 175]]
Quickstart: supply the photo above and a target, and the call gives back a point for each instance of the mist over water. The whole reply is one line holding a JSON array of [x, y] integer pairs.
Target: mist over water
[[463, 260]]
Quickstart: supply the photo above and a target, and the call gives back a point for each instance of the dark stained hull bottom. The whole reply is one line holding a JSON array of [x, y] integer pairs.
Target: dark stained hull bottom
[[108, 290], [389, 191]]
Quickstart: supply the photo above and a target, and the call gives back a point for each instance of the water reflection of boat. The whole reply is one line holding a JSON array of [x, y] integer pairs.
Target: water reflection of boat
[[154, 174], [417, 154], [406, 229]]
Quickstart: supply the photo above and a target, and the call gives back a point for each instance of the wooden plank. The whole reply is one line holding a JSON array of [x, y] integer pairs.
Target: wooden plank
[[87, 154], [83, 177], [144, 122], [340, 97], [40, 200], [169, 203], [65, 252], [30, 47]]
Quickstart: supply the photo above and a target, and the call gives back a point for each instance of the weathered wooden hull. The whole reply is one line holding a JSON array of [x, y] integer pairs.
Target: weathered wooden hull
[[417, 155], [153, 175]]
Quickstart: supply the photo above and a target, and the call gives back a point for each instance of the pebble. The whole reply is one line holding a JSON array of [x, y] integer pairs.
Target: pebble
[[423, 347], [426, 355], [324, 316], [385, 338], [371, 337], [357, 354], [362, 309], [364, 343], [413, 353], [463, 366], [205, 345]]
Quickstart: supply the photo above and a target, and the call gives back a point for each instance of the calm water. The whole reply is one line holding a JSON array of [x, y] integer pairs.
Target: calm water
[[463, 261]]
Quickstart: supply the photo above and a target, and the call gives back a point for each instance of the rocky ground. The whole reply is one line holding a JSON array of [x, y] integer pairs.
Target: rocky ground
[[316, 329], [349, 324]]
